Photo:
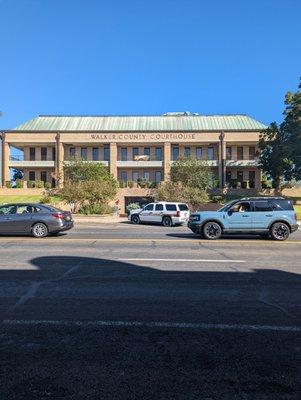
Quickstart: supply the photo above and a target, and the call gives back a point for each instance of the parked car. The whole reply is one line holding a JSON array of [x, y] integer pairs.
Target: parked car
[[165, 213], [39, 220], [268, 216]]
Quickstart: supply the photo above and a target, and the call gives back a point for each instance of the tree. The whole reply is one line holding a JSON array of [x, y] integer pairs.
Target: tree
[[87, 183], [190, 180], [280, 145]]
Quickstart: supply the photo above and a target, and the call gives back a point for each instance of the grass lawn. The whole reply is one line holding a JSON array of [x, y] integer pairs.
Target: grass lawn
[[24, 199]]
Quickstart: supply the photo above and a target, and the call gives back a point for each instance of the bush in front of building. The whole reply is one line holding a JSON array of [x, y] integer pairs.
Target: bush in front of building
[[39, 184], [130, 184], [19, 184], [96, 209], [47, 185], [122, 184], [31, 184], [132, 206], [8, 184]]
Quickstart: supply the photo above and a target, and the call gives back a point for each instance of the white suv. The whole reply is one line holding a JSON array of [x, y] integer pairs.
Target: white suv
[[165, 213]]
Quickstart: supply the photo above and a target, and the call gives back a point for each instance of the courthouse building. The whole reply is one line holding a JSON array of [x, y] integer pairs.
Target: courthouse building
[[136, 147]]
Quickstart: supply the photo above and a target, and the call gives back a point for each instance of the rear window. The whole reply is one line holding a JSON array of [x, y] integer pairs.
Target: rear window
[[183, 207], [263, 206], [282, 205], [171, 207]]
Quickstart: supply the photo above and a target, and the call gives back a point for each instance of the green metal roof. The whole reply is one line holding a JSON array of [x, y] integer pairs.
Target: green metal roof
[[141, 123]]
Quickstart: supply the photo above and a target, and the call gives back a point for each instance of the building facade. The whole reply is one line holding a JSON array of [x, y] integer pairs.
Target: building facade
[[135, 147]]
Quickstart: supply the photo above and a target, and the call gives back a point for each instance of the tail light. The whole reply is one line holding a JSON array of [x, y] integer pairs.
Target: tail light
[[178, 214], [58, 216]]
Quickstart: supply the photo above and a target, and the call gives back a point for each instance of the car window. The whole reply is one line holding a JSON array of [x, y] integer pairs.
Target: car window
[[243, 206], [8, 209], [159, 207], [149, 207], [171, 207], [183, 207], [281, 204], [262, 206], [27, 209]]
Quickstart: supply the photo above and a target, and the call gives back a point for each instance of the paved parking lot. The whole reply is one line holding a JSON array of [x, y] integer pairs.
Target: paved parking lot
[[145, 312]]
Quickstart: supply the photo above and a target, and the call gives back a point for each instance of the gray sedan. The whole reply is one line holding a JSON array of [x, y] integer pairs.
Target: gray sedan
[[39, 220]]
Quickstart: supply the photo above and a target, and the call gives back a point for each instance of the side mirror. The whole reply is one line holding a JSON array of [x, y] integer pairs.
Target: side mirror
[[230, 212]]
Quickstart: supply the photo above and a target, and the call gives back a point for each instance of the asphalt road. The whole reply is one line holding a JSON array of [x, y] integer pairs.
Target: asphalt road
[[145, 312]]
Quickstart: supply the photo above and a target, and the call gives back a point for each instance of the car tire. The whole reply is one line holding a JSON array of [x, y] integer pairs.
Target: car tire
[[280, 231], [212, 230], [135, 219], [39, 230], [167, 222]]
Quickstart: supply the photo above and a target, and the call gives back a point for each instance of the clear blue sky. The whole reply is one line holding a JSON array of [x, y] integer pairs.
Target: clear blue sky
[[147, 57]]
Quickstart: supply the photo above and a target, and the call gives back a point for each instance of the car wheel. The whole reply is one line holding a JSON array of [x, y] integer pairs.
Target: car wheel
[[212, 230], [135, 219], [280, 231], [166, 221], [39, 230]]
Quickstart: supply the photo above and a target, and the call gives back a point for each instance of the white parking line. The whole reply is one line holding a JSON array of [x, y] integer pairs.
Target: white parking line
[[157, 324], [181, 260]]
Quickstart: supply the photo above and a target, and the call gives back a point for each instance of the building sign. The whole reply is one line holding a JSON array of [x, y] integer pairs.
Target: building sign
[[142, 136]]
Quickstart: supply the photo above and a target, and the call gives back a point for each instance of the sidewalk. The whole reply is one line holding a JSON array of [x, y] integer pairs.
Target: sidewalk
[[98, 219]]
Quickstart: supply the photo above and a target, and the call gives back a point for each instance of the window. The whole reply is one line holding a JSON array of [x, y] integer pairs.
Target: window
[[251, 152], [198, 153], [228, 176], [240, 153], [53, 153], [84, 153], [32, 154], [183, 207], [263, 206], [240, 176], [243, 206], [43, 176], [171, 207], [146, 151], [124, 153], [210, 153], [95, 154], [32, 175], [43, 153], [281, 204], [252, 179], [135, 152], [146, 175], [159, 207], [72, 152], [175, 152], [158, 153], [8, 209], [187, 152], [149, 207], [106, 152], [135, 176], [228, 153], [158, 176], [27, 209], [124, 176]]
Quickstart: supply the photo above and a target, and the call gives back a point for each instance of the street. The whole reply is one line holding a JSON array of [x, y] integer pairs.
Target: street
[[145, 312]]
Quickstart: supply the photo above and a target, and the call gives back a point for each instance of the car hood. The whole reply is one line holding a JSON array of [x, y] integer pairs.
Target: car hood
[[206, 214], [135, 211]]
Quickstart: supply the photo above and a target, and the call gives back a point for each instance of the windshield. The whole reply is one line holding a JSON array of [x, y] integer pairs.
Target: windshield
[[226, 206]]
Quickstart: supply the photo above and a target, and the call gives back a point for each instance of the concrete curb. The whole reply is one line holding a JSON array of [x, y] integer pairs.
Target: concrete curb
[[98, 219]]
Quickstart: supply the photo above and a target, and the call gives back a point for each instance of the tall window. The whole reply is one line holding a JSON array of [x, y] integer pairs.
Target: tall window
[[158, 176], [187, 152], [124, 153], [252, 179], [43, 176], [72, 152], [210, 153], [159, 153], [84, 153], [135, 152], [240, 176], [229, 153], [43, 153], [146, 175], [240, 153], [124, 176], [198, 153], [32, 154], [135, 176], [146, 151], [95, 154], [228, 176], [106, 152], [32, 175], [175, 152], [251, 152]]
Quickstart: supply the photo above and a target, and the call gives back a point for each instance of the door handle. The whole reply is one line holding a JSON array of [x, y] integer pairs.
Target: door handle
[[268, 215], [246, 216]]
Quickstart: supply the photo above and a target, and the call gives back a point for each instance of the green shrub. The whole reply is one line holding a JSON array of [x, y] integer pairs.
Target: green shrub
[[122, 184], [130, 184], [152, 185], [244, 184], [132, 206], [19, 184], [217, 199], [96, 209], [31, 184], [8, 184], [45, 199], [142, 182], [47, 185], [40, 184]]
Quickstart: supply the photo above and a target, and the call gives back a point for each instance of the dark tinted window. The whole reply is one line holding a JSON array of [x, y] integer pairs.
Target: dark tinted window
[[171, 207], [84, 153], [149, 207], [44, 153], [32, 154], [159, 207], [95, 153], [32, 175], [282, 205], [183, 207], [262, 206], [106, 152]]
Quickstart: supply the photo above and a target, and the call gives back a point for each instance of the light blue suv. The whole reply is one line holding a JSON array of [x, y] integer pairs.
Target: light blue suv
[[266, 216]]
